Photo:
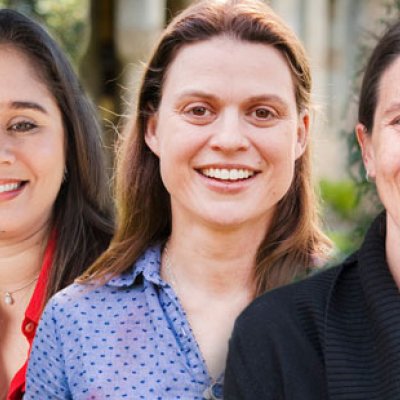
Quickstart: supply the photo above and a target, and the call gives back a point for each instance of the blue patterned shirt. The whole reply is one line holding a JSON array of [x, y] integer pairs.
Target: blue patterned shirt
[[127, 339]]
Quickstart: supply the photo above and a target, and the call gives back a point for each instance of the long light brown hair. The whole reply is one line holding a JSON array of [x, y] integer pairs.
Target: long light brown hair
[[294, 239]]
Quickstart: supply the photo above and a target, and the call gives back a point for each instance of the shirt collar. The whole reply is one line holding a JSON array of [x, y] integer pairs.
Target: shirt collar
[[148, 266]]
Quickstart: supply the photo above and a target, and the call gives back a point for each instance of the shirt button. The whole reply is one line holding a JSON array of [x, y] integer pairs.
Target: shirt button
[[29, 327], [214, 392]]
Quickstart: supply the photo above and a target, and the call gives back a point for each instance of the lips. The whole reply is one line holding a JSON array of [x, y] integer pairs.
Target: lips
[[228, 174]]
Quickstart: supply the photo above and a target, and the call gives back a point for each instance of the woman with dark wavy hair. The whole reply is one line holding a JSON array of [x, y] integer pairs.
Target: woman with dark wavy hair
[[215, 206], [55, 214]]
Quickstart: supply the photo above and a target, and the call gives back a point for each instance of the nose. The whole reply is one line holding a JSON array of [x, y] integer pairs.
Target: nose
[[229, 133], [7, 154]]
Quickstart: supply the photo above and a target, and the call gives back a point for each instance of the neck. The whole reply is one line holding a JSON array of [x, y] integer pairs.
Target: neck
[[393, 248], [21, 259], [215, 261]]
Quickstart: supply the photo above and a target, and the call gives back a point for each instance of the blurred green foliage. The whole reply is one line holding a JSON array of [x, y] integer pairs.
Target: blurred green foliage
[[349, 207], [66, 20], [353, 204], [341, 196]]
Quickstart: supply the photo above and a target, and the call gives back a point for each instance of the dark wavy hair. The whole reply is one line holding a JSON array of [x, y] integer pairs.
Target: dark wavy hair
[[294, 241], [82, 214]]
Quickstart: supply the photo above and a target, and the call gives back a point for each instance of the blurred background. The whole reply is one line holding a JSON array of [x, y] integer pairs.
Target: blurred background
[[109, 40]]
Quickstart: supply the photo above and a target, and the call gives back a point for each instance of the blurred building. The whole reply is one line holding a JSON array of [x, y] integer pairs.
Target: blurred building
[[334, 33]]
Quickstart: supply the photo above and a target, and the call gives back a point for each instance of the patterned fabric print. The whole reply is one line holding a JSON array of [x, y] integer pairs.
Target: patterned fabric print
[[127, 339]]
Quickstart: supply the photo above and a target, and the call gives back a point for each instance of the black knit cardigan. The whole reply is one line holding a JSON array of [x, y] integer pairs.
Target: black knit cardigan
[[333, 336]]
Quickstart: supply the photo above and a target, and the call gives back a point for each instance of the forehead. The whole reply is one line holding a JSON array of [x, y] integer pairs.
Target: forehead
[[20, 75], [232, 66], [389, 87], [23, 61]]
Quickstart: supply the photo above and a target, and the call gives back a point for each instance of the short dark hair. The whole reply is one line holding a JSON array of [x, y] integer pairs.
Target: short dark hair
[[82, 217], [384, 54]]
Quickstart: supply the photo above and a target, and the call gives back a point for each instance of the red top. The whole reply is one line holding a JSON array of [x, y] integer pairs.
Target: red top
[[31, 320]]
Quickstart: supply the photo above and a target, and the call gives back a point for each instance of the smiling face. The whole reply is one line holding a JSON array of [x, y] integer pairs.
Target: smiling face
[[227, 132], [31, 147]]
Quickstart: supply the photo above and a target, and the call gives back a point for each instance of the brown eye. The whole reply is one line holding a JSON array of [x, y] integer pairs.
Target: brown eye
[[199, 111], [22, 126], [262, 113]]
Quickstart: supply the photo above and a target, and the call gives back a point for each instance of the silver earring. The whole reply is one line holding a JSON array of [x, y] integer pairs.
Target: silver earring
[[367, 178]]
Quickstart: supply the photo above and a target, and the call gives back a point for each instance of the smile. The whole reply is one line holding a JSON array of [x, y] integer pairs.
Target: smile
[[225, 174], [9, 187]]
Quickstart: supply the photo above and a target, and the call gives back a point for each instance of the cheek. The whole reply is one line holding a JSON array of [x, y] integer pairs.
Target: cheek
[[385, 152], [180, 144], [387, 163], [277, 149], [387, 177], [49, 159]]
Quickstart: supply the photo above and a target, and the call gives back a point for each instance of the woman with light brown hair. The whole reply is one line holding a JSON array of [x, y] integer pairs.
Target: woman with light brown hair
[[215, 206]]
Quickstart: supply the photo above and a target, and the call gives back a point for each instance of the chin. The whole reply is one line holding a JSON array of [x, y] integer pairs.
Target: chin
[[227, 222]]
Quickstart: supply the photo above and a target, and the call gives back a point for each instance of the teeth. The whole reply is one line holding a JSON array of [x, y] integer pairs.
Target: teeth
[[9, 187], [233, 174], [227, 174], [224, 174]]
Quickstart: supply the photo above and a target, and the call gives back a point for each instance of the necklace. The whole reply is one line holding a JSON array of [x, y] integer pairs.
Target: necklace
[[8, 295], [168, 269]]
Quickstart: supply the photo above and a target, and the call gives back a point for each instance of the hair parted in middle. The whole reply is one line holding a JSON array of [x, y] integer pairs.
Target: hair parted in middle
[[294, 240]]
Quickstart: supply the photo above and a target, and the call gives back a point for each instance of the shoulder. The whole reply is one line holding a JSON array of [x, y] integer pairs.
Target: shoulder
[[278, 341], [312, 291], [75, 293], [83, 299], [295, 308]]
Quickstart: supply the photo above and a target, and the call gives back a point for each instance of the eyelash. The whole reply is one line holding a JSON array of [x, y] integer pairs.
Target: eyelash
[[198, 114], [191, 110], [22, 126], [269, 112], [396, 121], [203, 114]]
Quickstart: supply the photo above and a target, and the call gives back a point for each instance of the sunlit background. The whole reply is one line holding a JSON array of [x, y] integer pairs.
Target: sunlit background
[[108, 41]]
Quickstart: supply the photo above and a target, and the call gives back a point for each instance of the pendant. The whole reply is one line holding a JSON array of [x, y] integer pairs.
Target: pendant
[[8, 299]]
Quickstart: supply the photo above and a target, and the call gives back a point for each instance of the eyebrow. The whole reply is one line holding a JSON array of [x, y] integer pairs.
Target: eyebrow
[[268, 97], [263, 97], [23, 105], [196, 93]]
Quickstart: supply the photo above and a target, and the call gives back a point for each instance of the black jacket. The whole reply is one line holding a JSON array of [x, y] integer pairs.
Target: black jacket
[[333, 336]]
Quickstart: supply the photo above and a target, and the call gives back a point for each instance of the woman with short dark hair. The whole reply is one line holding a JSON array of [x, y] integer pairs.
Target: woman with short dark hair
[[336, 335]]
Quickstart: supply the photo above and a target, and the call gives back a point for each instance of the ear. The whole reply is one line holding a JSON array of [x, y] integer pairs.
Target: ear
[[365, 141], [151, 138], [302, 133]]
